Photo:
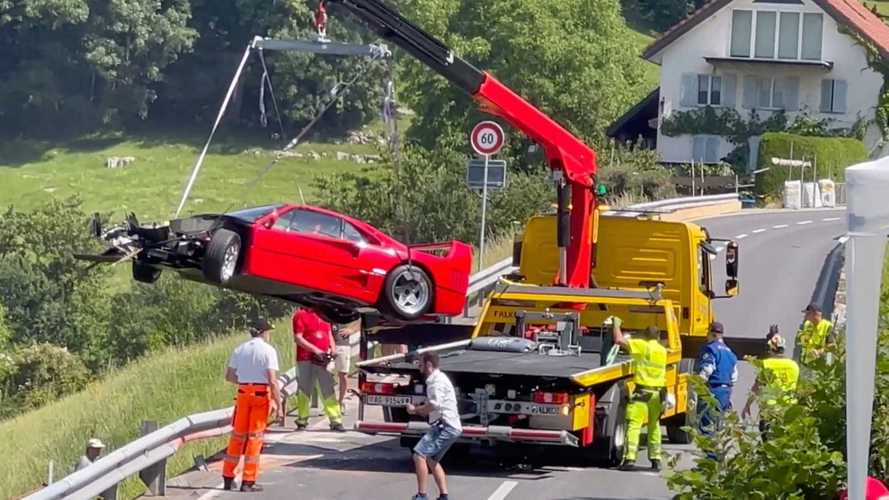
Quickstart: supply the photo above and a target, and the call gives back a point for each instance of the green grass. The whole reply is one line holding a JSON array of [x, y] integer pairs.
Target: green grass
[[32, 172], [163, 387], [882, 7]]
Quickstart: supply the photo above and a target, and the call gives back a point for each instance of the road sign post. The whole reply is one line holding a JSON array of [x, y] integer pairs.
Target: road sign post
[[487, 139]]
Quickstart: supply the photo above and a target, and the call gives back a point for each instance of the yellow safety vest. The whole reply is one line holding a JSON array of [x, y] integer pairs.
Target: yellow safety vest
[[649, 362], [813, 337], [784, 376]]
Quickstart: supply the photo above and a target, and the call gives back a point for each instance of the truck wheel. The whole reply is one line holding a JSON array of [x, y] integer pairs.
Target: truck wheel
[[611, 426], [408, 292], [221, 258], [675, 424], [144, 273]]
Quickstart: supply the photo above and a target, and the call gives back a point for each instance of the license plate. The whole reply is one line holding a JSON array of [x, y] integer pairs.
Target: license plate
[[388, 400], [544, 410]]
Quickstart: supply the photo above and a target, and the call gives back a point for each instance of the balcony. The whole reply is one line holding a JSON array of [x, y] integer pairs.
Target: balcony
[[751, 63]]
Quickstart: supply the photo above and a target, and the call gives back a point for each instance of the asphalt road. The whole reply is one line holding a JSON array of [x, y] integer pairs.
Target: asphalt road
[[781, 256]]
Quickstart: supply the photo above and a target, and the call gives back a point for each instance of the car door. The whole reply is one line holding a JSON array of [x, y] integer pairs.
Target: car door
[[369, 264]]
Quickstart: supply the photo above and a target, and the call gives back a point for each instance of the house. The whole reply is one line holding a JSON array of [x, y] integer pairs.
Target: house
[[758, 58]]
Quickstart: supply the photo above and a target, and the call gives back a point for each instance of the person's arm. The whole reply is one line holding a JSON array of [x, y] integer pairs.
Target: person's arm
[[753, 392], [331, 342], [305, 344], [707, 365], [272, 377], [231, 375], [735, 374], [619, 337], [431, 404]]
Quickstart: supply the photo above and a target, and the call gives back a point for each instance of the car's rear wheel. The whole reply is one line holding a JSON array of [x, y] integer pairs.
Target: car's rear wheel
[[408, 292], [221, 258], [144, 273]]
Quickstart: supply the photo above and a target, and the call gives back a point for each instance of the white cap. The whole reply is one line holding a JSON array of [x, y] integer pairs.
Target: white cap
[[95, 443]]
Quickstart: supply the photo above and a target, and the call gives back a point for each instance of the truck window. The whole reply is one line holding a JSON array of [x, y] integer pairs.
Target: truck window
[[704, 269]]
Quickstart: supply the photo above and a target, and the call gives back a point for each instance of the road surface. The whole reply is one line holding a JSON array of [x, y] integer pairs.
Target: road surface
[[781, 256]]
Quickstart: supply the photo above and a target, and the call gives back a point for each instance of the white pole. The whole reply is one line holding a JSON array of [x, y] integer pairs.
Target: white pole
[[481, 249], [50, 478], [692, 177]]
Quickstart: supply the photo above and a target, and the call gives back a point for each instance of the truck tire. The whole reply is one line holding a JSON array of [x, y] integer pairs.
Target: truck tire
[[408, 292], [143, 273], [221, 258], [675, 424], [611, 425]]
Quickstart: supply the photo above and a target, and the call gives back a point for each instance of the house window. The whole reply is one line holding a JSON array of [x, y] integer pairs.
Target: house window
[[705, 148], [709, 90], [795, 36], [742, 25], [833, 96], [771, 92]]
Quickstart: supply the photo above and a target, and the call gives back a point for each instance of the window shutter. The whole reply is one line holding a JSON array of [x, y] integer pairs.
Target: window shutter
[[812, 26], [729, 89], [688, 91], [839, 96], [711, 155], [749, 98], [826, 91], [699, 148], [790, 91]]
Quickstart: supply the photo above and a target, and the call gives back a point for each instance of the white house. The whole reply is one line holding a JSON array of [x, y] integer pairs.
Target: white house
[[791, 55]]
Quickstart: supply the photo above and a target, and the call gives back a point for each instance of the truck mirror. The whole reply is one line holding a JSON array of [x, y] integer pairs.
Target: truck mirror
[[731, 260], [731, 287]]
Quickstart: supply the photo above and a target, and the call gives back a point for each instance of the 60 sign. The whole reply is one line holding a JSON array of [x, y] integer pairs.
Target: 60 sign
[[487, 138]]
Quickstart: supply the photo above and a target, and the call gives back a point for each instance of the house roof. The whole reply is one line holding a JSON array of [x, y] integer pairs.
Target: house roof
[[632, 113], [849, 13]]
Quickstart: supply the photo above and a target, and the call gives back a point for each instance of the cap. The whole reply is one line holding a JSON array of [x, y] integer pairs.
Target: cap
[[716, 327], [813, 307], [260, 326], [95, 443]]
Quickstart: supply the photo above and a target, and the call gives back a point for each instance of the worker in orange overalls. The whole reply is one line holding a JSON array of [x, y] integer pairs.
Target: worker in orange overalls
[[253, 367]]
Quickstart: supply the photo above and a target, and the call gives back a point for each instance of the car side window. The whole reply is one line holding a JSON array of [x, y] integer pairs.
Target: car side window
[[284, 222], [352, 234], [306, 221]]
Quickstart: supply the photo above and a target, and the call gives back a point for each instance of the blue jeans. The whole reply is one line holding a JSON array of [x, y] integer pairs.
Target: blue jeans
[[436, 442], [709, 418]]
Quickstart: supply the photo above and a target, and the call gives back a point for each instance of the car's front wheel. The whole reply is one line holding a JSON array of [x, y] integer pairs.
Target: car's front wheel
[[221, 258], [408, 292], [144, 273]]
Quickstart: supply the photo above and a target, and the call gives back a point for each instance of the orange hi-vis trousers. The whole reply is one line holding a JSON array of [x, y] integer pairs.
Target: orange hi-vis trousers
[[249, 423]]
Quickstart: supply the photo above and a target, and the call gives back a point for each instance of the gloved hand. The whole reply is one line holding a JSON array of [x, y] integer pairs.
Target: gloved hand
[[614, 321]]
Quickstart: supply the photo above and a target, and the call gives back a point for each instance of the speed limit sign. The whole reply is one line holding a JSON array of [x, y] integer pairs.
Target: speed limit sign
[[487, 138]]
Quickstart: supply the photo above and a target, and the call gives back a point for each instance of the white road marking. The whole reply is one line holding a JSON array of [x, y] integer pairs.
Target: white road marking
[[215, 492], [779, 226], [503, 490], [832, 219], [803, 222], [757, 231], [741, 236]]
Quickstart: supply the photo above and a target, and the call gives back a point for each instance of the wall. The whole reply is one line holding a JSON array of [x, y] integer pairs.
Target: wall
[[711, 38]]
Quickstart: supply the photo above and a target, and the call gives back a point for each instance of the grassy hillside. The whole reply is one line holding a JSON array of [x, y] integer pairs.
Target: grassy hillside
[[31, 172], [163, 387]]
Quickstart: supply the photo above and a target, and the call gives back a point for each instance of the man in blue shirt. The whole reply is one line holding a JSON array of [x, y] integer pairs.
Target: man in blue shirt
[[718, 365]]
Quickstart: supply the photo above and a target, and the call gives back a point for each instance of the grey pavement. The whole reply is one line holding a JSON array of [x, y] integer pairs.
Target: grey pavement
[[781, 256]]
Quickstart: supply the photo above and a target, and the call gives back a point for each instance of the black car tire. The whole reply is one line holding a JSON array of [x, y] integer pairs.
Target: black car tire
[[610, 437], [394, 300], [221, 260], [675, 424], [144, 273]]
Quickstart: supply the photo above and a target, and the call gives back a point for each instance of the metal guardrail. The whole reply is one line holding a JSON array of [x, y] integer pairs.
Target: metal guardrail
[[147, 455]]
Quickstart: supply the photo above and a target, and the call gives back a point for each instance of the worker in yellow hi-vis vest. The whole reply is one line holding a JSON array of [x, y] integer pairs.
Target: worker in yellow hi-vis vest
[[814, 335], [650, 379], [779, 374]]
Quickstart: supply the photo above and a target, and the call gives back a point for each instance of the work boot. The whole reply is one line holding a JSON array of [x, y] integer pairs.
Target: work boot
[[628, 464], [443, 497], [337, 427], [250, 487], [656, 465], [228, 483]]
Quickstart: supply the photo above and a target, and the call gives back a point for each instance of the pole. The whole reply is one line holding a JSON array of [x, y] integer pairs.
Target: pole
[[693, 191], [481, 249], [737, 189], [702, 178]]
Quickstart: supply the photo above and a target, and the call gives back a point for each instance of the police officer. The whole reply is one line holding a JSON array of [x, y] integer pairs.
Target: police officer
[[718, 365], [779, 374], [650, 379]]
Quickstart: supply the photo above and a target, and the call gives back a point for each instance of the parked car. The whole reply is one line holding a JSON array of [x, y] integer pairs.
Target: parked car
[[303, 254]]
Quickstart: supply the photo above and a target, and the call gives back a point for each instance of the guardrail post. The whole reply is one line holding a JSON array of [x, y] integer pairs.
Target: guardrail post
[[154, 477]]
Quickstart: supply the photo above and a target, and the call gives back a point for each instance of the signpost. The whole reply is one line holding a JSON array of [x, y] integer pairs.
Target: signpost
[[487, 139]]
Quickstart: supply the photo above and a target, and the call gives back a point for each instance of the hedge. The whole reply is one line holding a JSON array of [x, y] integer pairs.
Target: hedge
[[833, 155]]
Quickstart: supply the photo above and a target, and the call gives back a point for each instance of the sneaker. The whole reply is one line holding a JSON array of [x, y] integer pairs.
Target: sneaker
[[228, 483], [443, 497], [419, 496], [656, 465], [337, 427], [250, 487], [628, 465]]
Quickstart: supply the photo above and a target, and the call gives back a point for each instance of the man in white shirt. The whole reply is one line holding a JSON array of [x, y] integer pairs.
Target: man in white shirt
[[253, 367], [444, 427]]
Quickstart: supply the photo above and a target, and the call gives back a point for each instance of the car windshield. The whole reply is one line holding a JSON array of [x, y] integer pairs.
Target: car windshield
[[253, 214]]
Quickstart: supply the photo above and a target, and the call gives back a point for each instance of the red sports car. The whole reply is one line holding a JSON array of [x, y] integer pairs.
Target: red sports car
[[303, 254]]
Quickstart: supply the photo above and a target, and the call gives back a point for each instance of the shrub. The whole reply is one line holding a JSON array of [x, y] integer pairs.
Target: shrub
[[39, 374], [832, 154]]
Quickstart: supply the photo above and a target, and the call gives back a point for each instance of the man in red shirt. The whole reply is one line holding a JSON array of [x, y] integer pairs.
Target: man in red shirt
[[314, 345]]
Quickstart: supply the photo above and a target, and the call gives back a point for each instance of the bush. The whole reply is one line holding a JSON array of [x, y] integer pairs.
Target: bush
[[40, 374], [832, 154]]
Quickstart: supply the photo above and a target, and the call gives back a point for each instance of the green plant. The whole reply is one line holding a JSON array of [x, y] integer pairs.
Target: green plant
[[831, 155]]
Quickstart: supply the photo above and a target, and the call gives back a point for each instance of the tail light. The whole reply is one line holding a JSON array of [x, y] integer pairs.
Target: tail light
[[554, 398], [377, 388]]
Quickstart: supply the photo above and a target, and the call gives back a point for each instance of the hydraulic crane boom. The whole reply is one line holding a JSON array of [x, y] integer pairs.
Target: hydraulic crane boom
[[573, 162]]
